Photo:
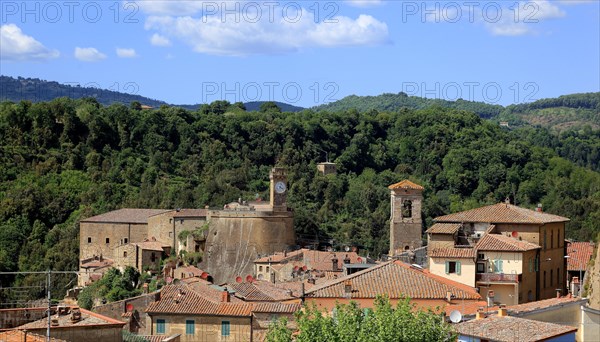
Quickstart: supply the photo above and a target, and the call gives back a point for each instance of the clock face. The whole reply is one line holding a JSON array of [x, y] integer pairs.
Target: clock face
[[280, 187]]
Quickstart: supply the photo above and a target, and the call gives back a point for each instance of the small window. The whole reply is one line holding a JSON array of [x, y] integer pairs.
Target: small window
[[125, 240], [160, 326], [170, 234], [480, 256], [190, 327], [453, 267], [267, 268], [170, 220], [181, 221], [225, 328], [153, 257], [498, 266], [260, 268], [107, 240], [124, 254], [89, 239], [480, 267]]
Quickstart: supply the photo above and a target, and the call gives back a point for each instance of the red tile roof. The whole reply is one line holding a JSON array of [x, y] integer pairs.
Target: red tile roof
[[88, 318], [397, 280], [314, 260], [190, 213], [580, 254], [405, 184], [281, 256], [542, 304], [502, 213], [444, 228], [188, 272], [185, 299], [452, 253], [512, 329], [125, 216], [499, 242]]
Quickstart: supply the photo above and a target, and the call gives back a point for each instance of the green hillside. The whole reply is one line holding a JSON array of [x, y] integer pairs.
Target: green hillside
[[63, 160]]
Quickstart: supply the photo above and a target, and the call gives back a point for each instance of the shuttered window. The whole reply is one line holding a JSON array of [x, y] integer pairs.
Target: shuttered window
[[225, 328], [160, 326]]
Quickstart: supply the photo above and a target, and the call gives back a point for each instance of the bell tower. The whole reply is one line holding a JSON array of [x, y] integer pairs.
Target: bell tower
[[278, 194], [405, 220]]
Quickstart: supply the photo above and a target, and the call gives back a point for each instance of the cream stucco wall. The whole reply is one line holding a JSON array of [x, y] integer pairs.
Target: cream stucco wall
[[207, 328], [437, 266]]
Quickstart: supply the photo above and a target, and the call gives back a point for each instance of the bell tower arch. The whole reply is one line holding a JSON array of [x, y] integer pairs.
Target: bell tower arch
[[405, 220]]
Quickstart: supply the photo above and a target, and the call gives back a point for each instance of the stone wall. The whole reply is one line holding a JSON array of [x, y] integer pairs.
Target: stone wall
[[235, 239], [137, 321], [166, 228], [116, 233], [405, 232]]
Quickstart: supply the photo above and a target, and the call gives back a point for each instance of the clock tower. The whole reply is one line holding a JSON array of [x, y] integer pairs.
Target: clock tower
[[278, 177]]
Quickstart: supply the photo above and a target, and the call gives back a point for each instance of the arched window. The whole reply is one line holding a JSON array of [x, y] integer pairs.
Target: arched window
[[407, 209], [124, 254]]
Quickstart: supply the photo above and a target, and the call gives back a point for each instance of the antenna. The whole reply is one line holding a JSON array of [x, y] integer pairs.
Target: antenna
[[455, 316]]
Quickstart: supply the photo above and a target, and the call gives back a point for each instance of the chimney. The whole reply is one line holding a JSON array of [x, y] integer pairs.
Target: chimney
[[480, 314], [334, 262], [75, 315], [539, 208], [348, 286], [449, 296], [502, 311], [145, 288], [225, 296]]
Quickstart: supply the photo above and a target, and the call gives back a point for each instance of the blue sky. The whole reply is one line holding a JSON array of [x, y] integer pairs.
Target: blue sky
[[308, 52]]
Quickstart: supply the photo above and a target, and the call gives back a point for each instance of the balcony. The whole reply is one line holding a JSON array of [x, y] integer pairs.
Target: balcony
[[498, 278]]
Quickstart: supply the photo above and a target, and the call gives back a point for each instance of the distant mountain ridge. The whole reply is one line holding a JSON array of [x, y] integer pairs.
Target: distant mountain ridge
[[37, 90]]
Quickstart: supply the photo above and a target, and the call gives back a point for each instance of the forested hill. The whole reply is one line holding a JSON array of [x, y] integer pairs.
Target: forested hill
[[36, 90], [63, 160], [394, 102], [567, 112]]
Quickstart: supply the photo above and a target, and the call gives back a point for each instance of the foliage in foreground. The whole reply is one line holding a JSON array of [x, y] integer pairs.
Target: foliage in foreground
[[351, 323], [113, 286]]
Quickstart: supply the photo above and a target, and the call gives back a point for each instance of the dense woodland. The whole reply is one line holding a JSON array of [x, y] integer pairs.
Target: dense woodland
[[63, 160]]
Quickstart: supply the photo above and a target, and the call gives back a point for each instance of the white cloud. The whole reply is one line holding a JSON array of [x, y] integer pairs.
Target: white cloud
[[364, 3], [17, 46], [526, 20], [126, 53], [158, 40], [89, 54], [212, 35], [174, 7], [577, 2]]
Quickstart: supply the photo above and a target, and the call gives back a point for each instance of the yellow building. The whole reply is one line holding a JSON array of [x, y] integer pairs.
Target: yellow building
[[514, 254], [207, 313]]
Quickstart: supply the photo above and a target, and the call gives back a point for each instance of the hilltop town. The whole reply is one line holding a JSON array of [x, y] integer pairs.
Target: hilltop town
[[216, 274]]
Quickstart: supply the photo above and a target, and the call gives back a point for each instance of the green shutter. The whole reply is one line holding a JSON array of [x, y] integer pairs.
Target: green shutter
[[189, 327], [447, 267], [225, 328], [500, 269], [458, 267]]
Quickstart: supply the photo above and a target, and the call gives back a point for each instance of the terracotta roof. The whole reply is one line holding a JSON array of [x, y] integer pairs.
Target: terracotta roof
[[542, 304], [262, 290], [181, 299], [93, 263], [397, 280], [452, 253], [444, 228], [502, 213], [190, 213], [499, 242], [314, 260], [249, 292], [188, 272], [88, 318], [151, 245], [125, 216], [156, 338], [24, 336], [580, 254], [512, 329], [405, 184], [280, 256]]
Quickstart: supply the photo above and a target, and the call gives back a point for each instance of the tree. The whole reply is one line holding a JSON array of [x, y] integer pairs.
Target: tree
[[269, 106], [351, 323]]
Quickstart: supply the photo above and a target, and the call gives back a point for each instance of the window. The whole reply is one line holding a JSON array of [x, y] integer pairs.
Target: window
[[480, 256], [125, 240], [453, 267], [225, 328], [259, 268], [530, 265], [267, 268], [551, 277], [480, 267], [537, 263], [558, 239], [498, 267], [189, 327], [544, 279], [153, 257], [107, 240], [407, 209], [124, 254], [160, 326], [89, 239]]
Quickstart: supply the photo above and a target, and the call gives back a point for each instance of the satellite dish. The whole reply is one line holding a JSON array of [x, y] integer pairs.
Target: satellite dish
[[515, 234], [169, 280], [296, 268], [347, 249], [455, 316], [238, 279], [204, 275], [249, 278], [359, 259], [129, 307], [304, 268]]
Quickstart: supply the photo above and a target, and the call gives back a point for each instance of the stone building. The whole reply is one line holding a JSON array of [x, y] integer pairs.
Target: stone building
[[515, 253], [166, 227], [405, 221]]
